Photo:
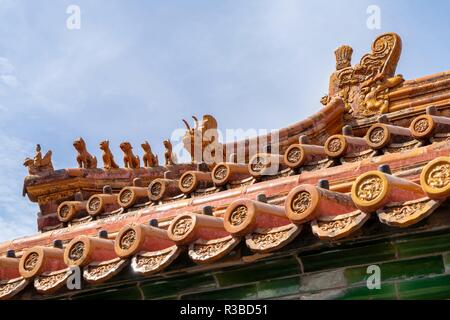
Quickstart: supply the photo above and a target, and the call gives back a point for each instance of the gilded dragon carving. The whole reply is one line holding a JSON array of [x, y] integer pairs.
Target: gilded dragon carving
[[364, 87]]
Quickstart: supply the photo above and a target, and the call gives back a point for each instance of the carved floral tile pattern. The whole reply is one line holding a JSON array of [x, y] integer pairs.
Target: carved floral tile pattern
[[335, 145], [421, 126]]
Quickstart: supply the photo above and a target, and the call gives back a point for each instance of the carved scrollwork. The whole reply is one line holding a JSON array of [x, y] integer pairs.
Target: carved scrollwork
[[48, 283], [338, 227], [208, 251], [147, 263], [100, 272], [151, 262], [9, 289], [333, 226], [401, 212], [408, 213], [269, 240], [202, 251]]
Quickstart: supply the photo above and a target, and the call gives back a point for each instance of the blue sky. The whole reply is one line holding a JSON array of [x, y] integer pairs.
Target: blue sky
[[136, 68]]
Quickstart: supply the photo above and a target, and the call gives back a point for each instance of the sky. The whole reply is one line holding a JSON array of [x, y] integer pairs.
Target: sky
[[135, 68]]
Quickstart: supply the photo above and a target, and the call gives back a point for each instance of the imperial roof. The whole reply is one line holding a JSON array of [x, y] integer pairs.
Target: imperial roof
[[379, 149]]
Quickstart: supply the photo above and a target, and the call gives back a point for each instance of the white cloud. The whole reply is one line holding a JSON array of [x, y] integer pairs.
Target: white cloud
[[7, 73], [10, 80], [17, 214], [6, 66]]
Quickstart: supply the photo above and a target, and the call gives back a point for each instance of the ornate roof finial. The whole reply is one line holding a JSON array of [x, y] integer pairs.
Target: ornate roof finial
[[168, 155], [202, 135], [108, 157], [343, 57], [129, 159], [150, 159], [85, 159], [39, 164], [364, 88]]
